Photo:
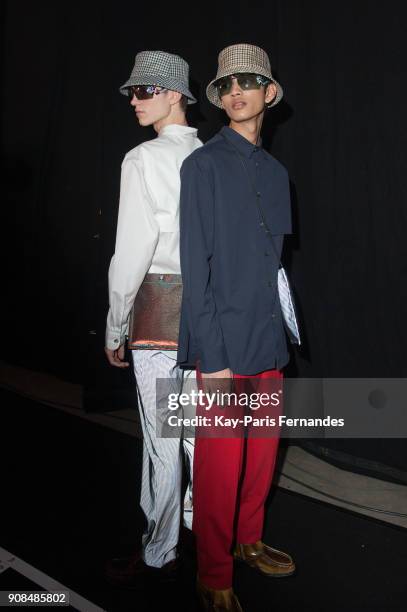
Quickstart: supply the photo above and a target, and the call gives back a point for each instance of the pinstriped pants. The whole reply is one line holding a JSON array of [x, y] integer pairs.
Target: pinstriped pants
[[162, 459]]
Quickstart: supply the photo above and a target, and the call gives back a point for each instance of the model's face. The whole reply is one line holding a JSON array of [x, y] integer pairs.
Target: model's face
[[245, 104], [152, 110]]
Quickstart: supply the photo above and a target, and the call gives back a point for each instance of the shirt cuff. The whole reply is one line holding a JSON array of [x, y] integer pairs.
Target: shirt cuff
[[115, 338]]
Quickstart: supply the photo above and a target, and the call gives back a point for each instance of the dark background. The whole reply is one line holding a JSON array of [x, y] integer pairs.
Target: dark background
[[341, 131]]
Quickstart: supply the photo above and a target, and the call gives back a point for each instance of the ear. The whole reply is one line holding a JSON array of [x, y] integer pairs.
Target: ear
[[271, 92], [174, 97]]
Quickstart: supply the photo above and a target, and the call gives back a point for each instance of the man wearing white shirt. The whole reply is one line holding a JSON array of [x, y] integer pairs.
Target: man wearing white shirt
[[147, 242]]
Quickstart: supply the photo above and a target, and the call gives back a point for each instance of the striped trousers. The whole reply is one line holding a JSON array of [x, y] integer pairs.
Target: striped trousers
[[162, 458]]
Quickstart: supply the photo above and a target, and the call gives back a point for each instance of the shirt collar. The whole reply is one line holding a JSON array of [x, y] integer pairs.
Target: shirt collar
[[244, 147], [177, 130]]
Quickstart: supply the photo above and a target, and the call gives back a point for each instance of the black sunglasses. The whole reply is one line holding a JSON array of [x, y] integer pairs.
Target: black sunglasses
[[246, 80], [144, 92]]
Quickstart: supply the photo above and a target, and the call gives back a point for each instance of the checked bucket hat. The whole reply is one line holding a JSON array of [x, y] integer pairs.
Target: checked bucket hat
[[242, 58], [160, 68]]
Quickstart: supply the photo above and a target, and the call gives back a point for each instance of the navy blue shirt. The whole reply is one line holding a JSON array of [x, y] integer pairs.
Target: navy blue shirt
[[231, 315]]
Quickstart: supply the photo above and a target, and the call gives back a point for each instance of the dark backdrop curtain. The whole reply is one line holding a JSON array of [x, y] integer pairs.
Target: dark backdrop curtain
[[341, 132]]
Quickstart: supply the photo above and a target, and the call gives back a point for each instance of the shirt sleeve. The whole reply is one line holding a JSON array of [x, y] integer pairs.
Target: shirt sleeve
[[136, 239], [196, 249]]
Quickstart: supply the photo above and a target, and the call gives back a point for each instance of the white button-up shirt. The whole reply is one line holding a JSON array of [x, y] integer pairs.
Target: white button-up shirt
[[147, 237]]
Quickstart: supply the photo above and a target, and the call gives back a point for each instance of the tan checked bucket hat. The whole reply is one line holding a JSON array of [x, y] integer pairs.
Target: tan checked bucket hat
[[242, 58]]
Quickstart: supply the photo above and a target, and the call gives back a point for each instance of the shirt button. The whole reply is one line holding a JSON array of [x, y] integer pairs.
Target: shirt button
[[273, 316], [266, 254], [258, 194]]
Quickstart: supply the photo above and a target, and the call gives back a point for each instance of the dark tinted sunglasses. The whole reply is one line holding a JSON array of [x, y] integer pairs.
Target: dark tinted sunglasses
[[144, 92], [246, 80]]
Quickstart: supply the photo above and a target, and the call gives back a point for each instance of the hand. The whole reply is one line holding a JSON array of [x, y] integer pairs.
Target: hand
[[116, 357], [218, 382]]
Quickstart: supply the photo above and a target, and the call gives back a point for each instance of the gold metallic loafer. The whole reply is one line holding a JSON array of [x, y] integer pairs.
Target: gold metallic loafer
[[266, 560], [214, 600]]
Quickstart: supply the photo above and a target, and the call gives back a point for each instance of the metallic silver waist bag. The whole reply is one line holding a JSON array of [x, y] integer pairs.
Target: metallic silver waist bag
[[155, 317]]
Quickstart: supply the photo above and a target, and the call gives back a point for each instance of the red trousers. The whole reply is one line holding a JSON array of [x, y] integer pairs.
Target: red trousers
[[231, 481]]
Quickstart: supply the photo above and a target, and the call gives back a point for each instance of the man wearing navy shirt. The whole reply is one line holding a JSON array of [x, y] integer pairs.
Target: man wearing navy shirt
[[231, 322]]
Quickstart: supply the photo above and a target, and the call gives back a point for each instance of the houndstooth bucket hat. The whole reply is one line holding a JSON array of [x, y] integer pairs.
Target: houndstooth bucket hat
[[160, 68], [242, 58]]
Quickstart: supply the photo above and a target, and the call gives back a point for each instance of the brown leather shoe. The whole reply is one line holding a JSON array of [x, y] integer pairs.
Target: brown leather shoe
[[266, 560], [215, 600], [133, 573]]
